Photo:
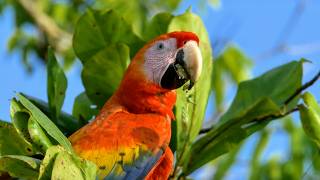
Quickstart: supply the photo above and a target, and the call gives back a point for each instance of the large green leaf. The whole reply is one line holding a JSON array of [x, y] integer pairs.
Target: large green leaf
[[27, 128], [38, 136], [96, 30], [136, 12], [310, 117], [19, 117], [158, 25], [232, 63], [257, 101], [68, 166], [66, 123], [191, 106], [46, 123], [102, 74], [46, 165], [13, 143], [20, 166], [56, 85]]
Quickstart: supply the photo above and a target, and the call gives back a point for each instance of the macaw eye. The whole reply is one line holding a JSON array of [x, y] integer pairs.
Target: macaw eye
[[160, 46]]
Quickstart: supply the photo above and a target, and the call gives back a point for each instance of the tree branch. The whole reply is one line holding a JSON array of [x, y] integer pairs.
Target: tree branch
[[60, 38], [303, 87]]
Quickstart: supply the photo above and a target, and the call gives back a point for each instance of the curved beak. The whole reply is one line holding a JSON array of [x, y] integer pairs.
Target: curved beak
[[187, 66]]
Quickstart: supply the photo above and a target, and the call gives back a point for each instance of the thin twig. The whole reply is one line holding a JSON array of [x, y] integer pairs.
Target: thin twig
[[205, 130], [61, 39], [303, 87]]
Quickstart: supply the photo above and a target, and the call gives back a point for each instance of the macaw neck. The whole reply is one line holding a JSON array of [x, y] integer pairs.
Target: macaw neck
[[139, 96]]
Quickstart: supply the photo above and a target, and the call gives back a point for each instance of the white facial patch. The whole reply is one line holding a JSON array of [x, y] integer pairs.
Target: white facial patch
[[158, 57]]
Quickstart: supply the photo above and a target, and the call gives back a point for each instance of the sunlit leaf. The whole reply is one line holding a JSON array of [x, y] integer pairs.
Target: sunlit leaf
[[68, 166], [190, 107], [215, 3], [19, 117], [310, 117], [257, 153], [56, 85], [235, 63], [295, 168], [20, 166], [66, 123], [46, 166], [38, 136], [12, 143], [255, 100], [46, 123], [102, 74], [96, 30], [136, 12], [158, 25]]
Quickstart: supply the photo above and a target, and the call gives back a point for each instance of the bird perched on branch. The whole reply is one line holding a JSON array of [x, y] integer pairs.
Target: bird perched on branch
[[129, 139]]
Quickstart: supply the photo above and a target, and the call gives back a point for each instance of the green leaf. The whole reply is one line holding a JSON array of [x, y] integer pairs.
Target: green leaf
[[82, 108], [310, 117], [46, 166], [295, 169], [38, 136], [102, 74], [190, 107], [68, 166], [88, 168], [216, 4], [20, 166], [258, 150], [66, 123], [46, 123], [57, 85], [225, 164], [158, 25], [277, 84], [257, 101], [137, 12], [13, 143], [218, 84], [235, 63], [96, 30], [20, 122], [133, 12]]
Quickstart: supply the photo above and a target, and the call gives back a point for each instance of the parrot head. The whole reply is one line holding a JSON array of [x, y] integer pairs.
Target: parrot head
[[162, 65], [173, 59]]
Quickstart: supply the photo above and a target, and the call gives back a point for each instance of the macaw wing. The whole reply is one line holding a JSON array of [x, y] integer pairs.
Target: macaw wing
[[139, 168], [124, 148]]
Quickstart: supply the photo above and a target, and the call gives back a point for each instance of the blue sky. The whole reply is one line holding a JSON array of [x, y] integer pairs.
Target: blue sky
[[257, 26]]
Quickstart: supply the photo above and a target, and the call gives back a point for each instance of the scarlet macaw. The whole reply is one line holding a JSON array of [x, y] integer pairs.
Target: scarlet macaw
[[129, 138]]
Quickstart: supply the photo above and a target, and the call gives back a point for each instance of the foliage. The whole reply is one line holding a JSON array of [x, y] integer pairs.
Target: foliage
[[106, 36]]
